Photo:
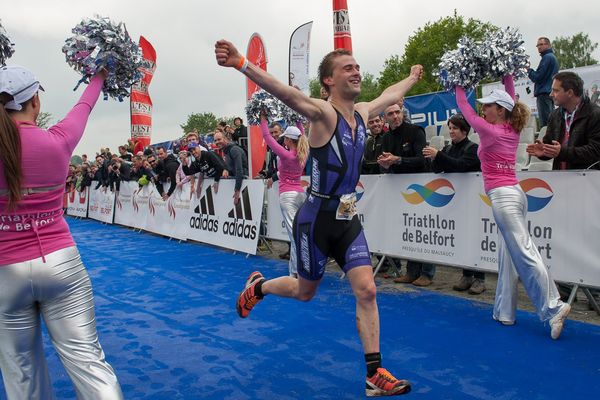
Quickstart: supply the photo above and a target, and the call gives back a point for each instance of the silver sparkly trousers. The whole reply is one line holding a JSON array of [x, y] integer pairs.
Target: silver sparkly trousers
[[290, 203], [59, 291], [518, 257]]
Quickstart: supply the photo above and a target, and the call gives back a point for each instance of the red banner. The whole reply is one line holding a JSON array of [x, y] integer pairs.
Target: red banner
[[141, 104], [257, 148], [341, 26]]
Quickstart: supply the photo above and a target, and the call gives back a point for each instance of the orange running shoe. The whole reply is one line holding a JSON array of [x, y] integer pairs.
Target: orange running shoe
[[382, 383], [248, 299]]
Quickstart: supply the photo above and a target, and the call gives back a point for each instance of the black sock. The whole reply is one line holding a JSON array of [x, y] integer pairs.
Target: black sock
[[258, 289], [373, 361]]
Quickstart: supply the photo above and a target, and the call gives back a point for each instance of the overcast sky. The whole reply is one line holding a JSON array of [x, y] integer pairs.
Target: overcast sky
[[188, 80]]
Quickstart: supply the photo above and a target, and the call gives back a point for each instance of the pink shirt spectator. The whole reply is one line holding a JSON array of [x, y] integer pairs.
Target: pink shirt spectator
[[289, 168], [37, 227], [498, 148]]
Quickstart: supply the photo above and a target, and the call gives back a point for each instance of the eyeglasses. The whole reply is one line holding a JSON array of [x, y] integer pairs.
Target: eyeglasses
[[151, 161]]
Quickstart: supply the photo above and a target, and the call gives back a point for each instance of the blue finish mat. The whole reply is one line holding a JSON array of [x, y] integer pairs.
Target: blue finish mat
[[167, 323]]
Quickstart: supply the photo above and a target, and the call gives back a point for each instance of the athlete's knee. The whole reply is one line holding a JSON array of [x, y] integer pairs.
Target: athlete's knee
[[366, 293], [305, 296]]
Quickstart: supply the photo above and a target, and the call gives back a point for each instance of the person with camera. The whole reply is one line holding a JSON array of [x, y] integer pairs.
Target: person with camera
[[205, 164], [118, 171], [166, 169]]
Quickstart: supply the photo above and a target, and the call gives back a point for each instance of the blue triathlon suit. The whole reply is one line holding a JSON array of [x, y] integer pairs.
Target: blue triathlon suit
[[317, 232]]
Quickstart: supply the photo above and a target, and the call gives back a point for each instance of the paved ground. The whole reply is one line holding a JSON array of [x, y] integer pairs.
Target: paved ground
[[446, 277]]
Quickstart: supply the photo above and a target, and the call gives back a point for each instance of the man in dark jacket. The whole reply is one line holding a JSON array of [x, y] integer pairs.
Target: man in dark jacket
[[542, 79], [573, 135], [373, 147], [167, 171], [236, 162], [207, 163], [240, 134]]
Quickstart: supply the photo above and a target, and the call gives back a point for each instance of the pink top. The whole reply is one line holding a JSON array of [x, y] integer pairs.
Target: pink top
[[37, 228], [288, 166], [498, 148]]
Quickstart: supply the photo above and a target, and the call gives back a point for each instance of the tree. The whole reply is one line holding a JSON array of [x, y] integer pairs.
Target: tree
[[574, 51], [369, 89], [203, 123], [315, 88], [44, 119], [427, 46]]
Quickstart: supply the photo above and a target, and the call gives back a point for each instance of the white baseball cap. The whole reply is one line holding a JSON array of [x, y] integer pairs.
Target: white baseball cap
[[499, 97], [18, 82], [292, 132]]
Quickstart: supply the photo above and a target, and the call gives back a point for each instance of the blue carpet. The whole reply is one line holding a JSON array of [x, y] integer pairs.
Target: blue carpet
[[167, 322]]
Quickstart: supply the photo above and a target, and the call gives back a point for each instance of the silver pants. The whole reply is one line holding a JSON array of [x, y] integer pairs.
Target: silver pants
[[60, 291], [290, 203], [518, 257]]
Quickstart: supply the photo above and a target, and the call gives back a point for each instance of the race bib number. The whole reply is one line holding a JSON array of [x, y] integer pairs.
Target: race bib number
[[347, 208]]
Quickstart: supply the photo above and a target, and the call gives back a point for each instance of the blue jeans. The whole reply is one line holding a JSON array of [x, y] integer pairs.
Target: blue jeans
[[545, 105]]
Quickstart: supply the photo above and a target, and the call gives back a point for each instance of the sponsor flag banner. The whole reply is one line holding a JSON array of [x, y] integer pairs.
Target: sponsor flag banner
[[170, 217], [434, 108], [299, 58], [341, 25], [101, 204], [77, 203], [140, 101], [214, 219], [257, 149]]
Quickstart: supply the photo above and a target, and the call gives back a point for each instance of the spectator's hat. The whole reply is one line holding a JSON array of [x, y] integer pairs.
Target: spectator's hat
[[19, 83], [292, 132], [192, 145], [499, 97]]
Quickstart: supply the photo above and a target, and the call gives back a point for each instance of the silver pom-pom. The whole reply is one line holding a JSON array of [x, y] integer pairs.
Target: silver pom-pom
[[275, 109], [99, 43], [6, 46], [500, 53]]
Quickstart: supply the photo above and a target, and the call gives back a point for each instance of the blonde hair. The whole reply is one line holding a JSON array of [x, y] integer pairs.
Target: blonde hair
[[302, 149], [519, 116], [10, 155]]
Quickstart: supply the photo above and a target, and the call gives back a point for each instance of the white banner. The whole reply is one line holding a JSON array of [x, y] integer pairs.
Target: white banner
[[215, 220], [170, 217], [299, 58], [274, 223], [524, 87], [101, 204], [127, 205], [77, 203]]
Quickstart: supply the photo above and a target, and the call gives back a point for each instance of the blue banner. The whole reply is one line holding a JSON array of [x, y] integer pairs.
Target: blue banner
[[434, 108]]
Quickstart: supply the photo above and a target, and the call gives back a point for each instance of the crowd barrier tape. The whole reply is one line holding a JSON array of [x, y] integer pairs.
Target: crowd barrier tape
[[440, 218]]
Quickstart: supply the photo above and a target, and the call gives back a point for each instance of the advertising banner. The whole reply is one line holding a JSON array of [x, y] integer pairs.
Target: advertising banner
[[140, 101], [434, 108], [170, 217], [299, 58], [77, 203], [127, 205], [214, 219], [101, 204], [256, 54], [342, 39]]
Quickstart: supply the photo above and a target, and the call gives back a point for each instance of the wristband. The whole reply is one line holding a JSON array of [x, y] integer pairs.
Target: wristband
[[242, 65]]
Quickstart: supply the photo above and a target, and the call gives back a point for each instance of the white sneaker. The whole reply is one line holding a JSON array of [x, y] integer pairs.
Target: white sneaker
[[557, 322]]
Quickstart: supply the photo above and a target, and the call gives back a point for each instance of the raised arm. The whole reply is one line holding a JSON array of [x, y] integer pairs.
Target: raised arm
[[479, 124], [509, 85], [228, 56], [393, 94]]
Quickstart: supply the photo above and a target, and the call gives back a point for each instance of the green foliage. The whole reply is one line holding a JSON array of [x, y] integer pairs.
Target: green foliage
[[574, 51], [202, 122], [315, 88], [44, 120], [369, 88], [426, 46]]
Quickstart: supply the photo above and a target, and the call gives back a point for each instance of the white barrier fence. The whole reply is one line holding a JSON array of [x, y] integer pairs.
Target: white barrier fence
[[439, 218]]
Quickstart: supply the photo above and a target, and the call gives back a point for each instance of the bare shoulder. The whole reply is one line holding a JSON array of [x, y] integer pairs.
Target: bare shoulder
[[321, 129]]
